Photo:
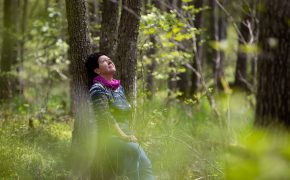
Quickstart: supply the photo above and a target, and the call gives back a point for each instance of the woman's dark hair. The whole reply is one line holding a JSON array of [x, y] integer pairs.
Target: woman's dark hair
[[92, 63]]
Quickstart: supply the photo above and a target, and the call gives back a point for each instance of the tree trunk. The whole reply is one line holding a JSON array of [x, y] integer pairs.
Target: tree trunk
[[109, 28], [151, 68], [126, 58], [157, 4], [9, 50], [183, 77], [218, 34], [172, 75], [94, 21], [79, 43], [198, 55], [241, 66], [273, 95], [23, 27]]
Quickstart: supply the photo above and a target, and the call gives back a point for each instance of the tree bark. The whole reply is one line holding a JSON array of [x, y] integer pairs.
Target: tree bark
[[273, 95], [126, 58], [79, 43], [109, 27], [9, 50]]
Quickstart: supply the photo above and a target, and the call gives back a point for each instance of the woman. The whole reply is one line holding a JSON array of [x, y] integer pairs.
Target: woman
[[118, 145]]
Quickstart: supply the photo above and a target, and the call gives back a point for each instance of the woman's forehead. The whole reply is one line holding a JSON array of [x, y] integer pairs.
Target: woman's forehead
[[103, 57]]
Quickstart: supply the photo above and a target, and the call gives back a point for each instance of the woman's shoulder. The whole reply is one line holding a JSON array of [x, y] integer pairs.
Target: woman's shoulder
[[97, 88]]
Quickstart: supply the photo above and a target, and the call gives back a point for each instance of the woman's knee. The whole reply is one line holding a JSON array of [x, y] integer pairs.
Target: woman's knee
[[134, 150]]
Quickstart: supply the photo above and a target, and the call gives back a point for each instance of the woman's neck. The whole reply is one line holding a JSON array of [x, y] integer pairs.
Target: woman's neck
[[108, 78]]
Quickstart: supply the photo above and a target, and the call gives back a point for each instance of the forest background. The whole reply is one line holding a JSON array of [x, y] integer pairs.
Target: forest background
[[208, 79]]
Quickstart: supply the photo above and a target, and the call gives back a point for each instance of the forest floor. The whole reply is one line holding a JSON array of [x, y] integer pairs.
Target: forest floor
[[183, 141]]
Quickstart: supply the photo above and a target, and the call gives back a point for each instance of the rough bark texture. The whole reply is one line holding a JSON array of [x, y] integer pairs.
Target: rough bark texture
[[273, 94], [79, 43], [109, 27], [9, 50], [126, 58]]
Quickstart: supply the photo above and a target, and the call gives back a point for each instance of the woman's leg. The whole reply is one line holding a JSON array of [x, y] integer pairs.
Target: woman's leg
[[145, 167], [135, 162]]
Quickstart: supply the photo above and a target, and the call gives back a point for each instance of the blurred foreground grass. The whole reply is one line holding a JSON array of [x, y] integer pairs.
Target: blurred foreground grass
[[184, 141]]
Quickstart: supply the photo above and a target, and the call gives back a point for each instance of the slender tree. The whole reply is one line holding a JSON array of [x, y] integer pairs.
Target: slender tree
[[198, 55], [150, 68], [273, 95], [79, 43], [126, 58], [172, 76], [94, 20], [23, 27], [183, 82], [241, 66], [248, 36], [217, 34], [109, 27]]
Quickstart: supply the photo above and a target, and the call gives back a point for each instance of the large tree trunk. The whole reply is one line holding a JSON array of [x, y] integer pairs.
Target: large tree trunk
[[109, 28], [126, 58], [9, 50], [79, 43], [273, 94]]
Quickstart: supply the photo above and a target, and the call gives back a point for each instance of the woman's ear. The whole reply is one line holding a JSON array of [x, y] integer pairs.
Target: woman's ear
[[97, 71]]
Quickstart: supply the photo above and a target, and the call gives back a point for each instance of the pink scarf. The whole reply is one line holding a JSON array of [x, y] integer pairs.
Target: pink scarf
[[114, 84]]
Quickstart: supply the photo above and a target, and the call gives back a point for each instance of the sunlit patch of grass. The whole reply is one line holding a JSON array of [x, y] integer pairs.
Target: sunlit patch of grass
[[34, 153]]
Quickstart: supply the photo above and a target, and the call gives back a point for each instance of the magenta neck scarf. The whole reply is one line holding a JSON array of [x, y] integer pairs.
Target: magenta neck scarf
[[114, 84]]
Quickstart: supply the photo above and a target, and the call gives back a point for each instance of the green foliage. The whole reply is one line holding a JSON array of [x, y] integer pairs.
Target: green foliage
[[45, 62], [174, 38], [259, 155]]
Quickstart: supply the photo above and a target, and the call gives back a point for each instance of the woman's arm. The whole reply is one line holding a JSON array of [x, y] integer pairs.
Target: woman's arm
[[123, 135], [101, 106]]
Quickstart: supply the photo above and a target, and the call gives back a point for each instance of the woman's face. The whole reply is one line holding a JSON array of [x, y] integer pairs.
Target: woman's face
[[106, 66]]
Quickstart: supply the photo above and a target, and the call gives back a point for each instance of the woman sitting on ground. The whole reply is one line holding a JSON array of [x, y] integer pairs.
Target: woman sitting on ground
[[116, 143]]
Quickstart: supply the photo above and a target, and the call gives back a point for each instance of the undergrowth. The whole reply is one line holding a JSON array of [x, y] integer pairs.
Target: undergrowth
[[183, 141]]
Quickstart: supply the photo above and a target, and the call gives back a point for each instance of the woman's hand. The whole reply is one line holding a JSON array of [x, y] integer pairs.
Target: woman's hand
[[124, 136]]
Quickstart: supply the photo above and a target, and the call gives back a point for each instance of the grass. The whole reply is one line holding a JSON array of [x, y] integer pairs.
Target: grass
[[34, 153], [182, 141]]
